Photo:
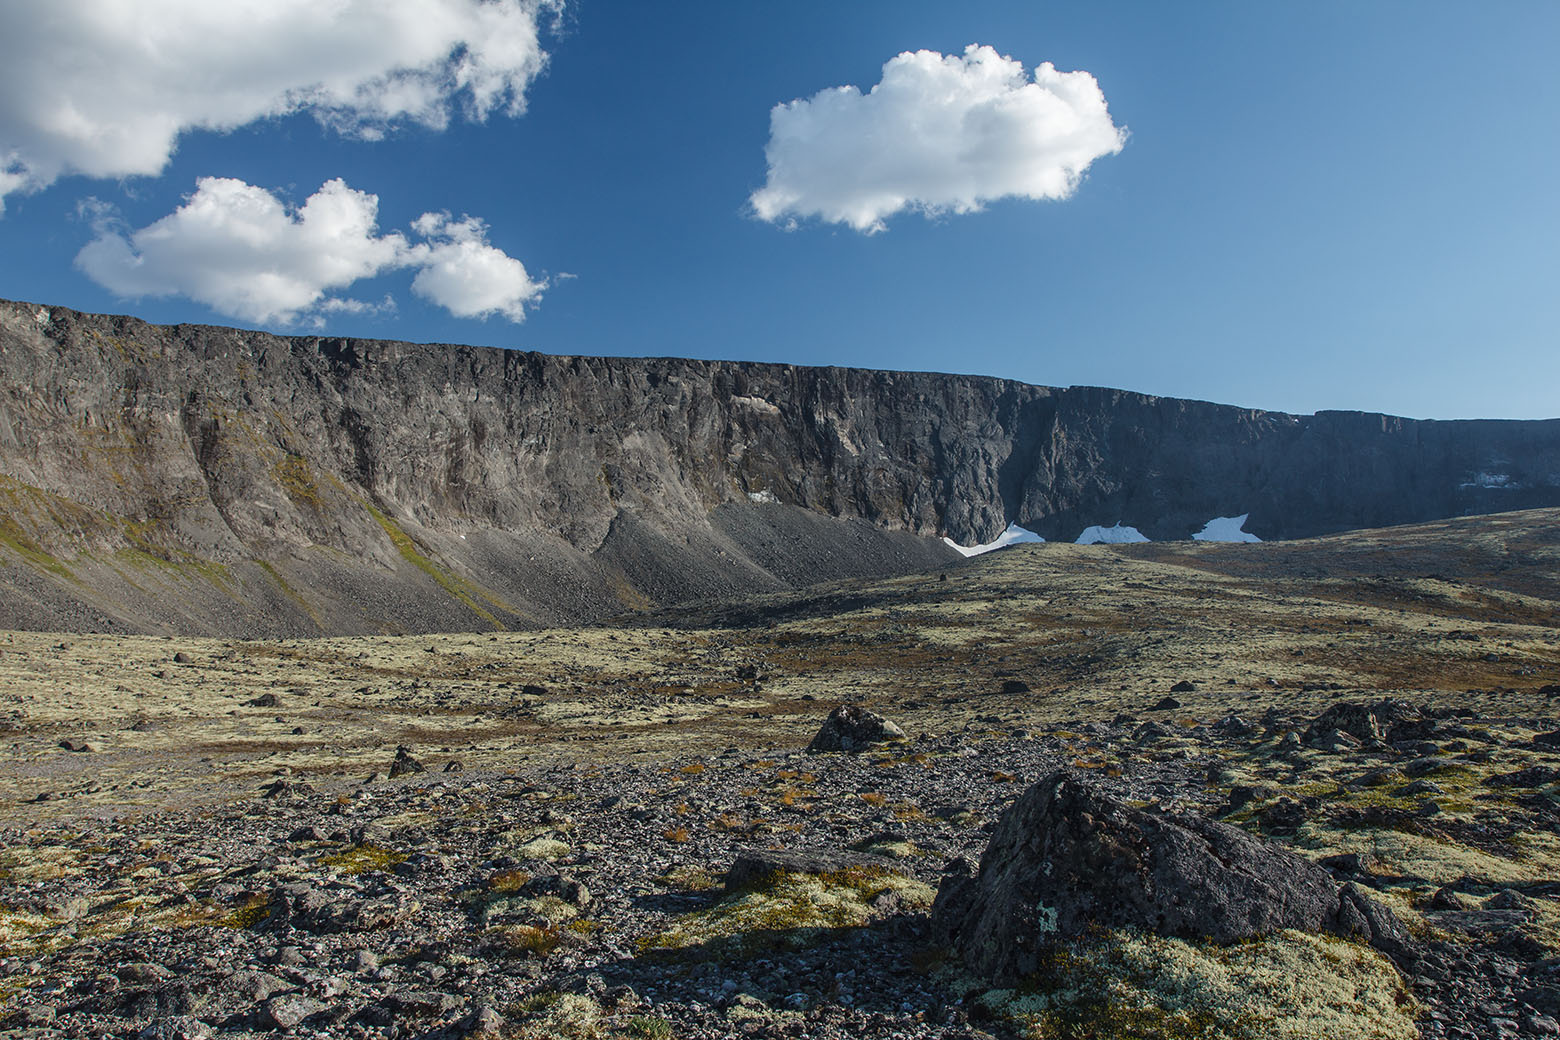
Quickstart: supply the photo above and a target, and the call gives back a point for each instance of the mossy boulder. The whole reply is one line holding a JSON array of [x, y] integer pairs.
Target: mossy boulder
[[852, 729], [1068, 859]]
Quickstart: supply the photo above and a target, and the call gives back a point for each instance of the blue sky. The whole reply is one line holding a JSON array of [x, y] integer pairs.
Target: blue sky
[[1319, 205]]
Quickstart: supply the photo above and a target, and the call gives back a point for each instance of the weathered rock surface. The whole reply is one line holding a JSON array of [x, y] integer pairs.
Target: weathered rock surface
[[1366, 722], [852, 729], [212, 480], [1067, 857]]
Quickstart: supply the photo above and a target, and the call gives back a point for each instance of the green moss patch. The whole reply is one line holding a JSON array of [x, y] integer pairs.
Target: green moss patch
[[787, 911], [1289, 986], [463, 591], [361, 859]]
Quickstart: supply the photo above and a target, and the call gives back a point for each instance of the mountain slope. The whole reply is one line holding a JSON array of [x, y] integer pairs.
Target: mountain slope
[[206, 479]]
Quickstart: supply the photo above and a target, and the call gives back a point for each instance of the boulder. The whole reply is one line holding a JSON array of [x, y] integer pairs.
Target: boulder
[[1067, 858], [1364, 722], [404, 763], [852, 729]]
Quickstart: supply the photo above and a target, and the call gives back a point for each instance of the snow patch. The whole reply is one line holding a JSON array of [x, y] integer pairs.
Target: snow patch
[[1226, 529], [766, 498], [1117, 535], [1491, 480], [1012, 536]]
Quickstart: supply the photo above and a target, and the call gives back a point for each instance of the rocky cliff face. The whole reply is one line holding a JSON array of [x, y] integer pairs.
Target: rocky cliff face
[[210, 479]]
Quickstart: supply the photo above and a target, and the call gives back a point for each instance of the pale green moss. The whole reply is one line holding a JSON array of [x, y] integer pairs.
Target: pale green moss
[[295, 477], [363, 858], [788, 910], [460, 589], [1289, 986]]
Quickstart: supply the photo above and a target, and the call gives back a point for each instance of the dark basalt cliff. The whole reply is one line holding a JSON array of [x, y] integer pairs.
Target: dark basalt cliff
[[208, 479]]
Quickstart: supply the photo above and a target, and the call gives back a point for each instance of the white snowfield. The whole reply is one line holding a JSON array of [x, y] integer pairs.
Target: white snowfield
[[1219, 529], [1117, 535], [1226, 529], [1012, 536]]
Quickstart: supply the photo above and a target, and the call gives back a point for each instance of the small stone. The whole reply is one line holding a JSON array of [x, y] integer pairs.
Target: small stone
[[1184, 686], [143, 973], [1541, 1025], [289, 957], [284, 789], [288, 1011], [176, 1027], [1166, 703], [484, 1020]]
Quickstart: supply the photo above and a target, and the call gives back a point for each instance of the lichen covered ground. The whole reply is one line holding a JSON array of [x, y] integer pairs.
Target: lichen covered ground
[[202, 835]]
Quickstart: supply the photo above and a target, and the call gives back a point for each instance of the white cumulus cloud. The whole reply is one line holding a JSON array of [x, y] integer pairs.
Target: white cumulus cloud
[[938, 133], [105, 87], [244, 253], [465, 275]]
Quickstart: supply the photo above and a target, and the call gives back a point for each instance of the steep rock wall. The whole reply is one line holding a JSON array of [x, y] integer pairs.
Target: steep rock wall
[[310, 484]]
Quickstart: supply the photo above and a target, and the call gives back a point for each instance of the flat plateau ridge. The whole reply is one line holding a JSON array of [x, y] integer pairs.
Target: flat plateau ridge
[[523, 835], [206, 480]]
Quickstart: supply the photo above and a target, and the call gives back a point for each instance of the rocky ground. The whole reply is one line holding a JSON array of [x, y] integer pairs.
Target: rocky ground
[[218, 837]]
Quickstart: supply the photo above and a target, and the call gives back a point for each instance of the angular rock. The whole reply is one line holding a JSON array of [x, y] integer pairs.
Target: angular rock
[[313, 909], [1233, 726], [404, 763], [252, 986], [1334, 740], [288, 1011], [559, 886], [285, 789], [1364, 722], [1067, 858], [852, 729], [176, 1027]]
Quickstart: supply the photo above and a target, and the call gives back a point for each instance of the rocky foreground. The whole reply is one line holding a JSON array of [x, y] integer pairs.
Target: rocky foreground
[[599, 900], [647, 829]]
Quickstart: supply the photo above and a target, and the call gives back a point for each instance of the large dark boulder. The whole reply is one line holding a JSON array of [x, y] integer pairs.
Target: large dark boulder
[[1067, 858], [1366, 722], [849, 728]]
